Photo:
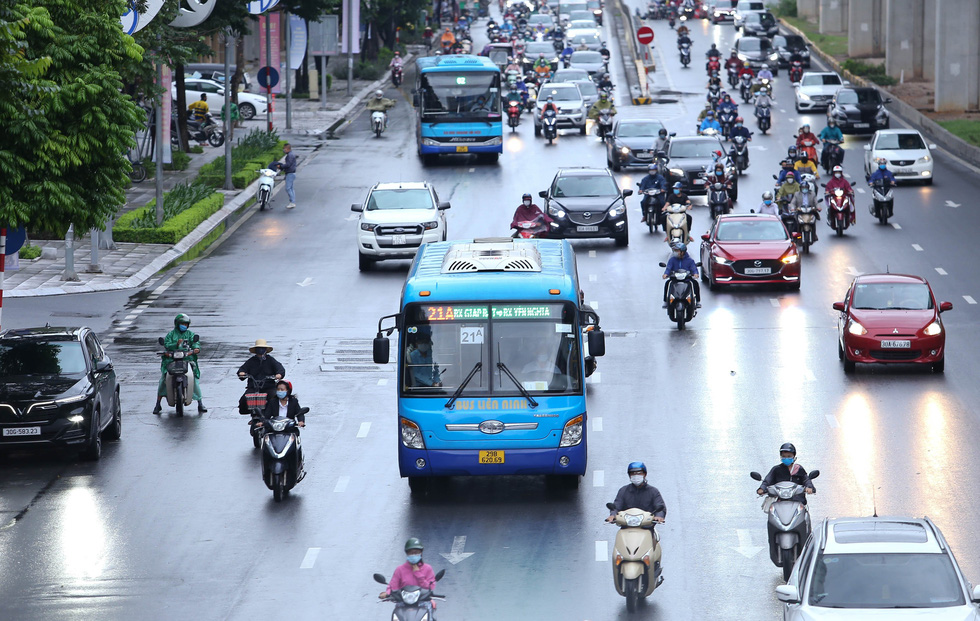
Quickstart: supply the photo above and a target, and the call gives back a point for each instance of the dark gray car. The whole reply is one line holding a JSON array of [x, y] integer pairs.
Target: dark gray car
[[757, 51], [586, 202], [631, 143], [691, 157]]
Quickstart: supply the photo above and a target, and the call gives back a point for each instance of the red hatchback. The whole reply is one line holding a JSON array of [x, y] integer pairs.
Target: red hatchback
[[749, 248], [891, 318]]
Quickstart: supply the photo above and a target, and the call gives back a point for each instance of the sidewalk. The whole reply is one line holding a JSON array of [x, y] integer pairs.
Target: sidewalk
[[130, 265]]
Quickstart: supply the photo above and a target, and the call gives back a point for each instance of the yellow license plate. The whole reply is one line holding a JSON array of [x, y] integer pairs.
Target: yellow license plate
[[462, 149], [491, 457]]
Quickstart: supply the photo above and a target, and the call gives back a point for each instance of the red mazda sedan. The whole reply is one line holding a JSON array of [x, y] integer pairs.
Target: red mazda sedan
[[891, 318], [749, 248]]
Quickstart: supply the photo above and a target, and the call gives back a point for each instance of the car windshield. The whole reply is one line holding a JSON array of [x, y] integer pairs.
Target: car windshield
[[643, 128], [750, 44], [751, 231], [35, 357], [892, 296], [587, 57], [559, 93], [580, 186], [459, 96], [793, 42], [885, 581], [900, 142], [821, 79], [540, 19], [858, 97], [540, 47], [582, 23], [693, 148], [587, 88], [570, 7], [400, 199], [585, 38], [571, 75], [582, 16]]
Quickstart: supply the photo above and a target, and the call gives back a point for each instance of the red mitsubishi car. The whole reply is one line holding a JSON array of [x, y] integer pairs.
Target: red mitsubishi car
[[749, 249], [891, 318]]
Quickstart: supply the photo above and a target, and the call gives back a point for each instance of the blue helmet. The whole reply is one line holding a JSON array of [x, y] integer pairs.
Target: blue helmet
[[680, 247], [678, 185], [636, 466]]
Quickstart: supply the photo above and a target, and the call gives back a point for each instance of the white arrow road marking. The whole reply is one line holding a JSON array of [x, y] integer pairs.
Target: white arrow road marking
[[969, 299], [598, 478], [952, 204], [941, 271], [310, 559], [351, 217], [782, 109], [602, 551], [456, 554], [917, 247], [306, 282], [592, 254], [760, 148], [896, 225], [832, 421], [853, 272], [745, 547], [364, 429]]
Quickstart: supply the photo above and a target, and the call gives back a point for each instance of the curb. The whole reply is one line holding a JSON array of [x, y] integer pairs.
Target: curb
[[931, 129]]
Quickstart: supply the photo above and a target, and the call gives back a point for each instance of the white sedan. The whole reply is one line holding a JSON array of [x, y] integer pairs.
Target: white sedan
[[816, 89], [907, 153], [249, 104]]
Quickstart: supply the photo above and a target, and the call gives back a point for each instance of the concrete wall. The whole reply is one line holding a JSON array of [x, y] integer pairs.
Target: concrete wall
[[808, 10], [833, 16], [904, 39], [928, 40], [866, 28], [957, 55]]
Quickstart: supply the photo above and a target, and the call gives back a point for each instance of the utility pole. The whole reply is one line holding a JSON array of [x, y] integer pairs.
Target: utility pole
[[159, 147], [350, 44], [268, 63], [228, 122], [286, 70]]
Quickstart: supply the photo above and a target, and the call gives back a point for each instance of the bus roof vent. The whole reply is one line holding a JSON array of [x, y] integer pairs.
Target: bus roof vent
[[492, 255]]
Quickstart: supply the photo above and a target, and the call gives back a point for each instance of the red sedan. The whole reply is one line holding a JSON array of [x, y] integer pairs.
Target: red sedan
[[891, 318], [749, 248]]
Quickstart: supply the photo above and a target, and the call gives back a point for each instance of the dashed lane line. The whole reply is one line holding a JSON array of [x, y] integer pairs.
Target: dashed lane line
[[941, 271], [896, 225], [598, 478], [363, 430], [969, 299], [917, 247], [597, 422], [832, 421], [342, 484], [602, 551], [310, 559]]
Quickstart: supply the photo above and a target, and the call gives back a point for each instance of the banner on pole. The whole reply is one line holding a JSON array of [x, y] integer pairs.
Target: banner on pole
[[352, 11], [166, 112], [325, 36], [297, 41]]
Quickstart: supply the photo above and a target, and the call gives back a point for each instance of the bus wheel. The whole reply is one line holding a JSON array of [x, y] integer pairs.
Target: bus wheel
[[489, 158], [418, 485]]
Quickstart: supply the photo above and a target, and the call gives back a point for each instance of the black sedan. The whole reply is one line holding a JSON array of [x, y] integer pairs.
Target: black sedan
[[859, 109], [757, 51], [586, 202], [689, 158], [785, 45], [57, 388], [631, 143], [760, 25]]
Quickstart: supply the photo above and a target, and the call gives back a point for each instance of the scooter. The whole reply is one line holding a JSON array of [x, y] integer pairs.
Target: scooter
[[714, 95], [726, 118], [883, 200], [513, 114], [810, 148], [396, 76], [653, 205], [681, 305], [207, 131], [740, 153], [180, 389], [763, 113], [732, 76], [685, 55], [379, 120], [718, 199], [745, 87], [833, 153], [787, 215], [412, 603], [528, 229], [636, 556], [806, 224], [839, 211], [257, 393], [282, 455], [677, 231], [604, 124], [796, 72], [267, 178], [549, 125], [712, 65], [789, 522]]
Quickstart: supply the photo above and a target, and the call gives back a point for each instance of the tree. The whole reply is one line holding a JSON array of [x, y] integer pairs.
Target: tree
[[384, 16], [67, 163]]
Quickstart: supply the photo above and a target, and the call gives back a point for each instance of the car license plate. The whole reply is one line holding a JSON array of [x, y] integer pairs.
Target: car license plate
[[491, 457], [398, 240], [587, 229], [896, 344], [758, 270], [462, 148], [905, 171], [861, 125], [22, 431]]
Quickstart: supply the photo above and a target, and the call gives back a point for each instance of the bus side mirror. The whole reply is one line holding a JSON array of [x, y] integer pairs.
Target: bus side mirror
[[415, 98], [597, 343], [382, 348]]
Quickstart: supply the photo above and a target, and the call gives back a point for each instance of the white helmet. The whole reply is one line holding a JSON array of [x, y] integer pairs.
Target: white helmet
[[379, 94]]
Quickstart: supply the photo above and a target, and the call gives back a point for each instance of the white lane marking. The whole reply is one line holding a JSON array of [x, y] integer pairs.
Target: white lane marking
[[745, 547], [596, 377], [810, 377], [896, 225], [952, 204], [593, 277], [306, 282], [782, 109], [132, 317], [472, 170], [598, 478], [594, 305], [969, 300], [602, 551], [774, 302], [382, 382], [832, 421], [941, 271], [341, 486], [860, 190], [310, 559], [597, 422], [592, 254], [917, 247], [124, 323], [456, 553], [364, 429]]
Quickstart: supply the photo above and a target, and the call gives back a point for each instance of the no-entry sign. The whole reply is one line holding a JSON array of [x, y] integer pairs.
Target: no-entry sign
[[644, 35]]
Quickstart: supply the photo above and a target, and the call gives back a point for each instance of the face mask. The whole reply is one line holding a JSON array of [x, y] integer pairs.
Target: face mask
[[637, 479], [738, 124], [787, 461], [281, 394], [414, 558], [260, 351], [767, 202], [183, 328], [881, 167], [676, 191], [838, 175], [806, 189], [424, 348], [527, 203]]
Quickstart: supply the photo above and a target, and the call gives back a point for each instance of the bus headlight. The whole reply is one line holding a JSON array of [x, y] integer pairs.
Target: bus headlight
[[429, 142], [572, 434], [411, 434], [493, 142]]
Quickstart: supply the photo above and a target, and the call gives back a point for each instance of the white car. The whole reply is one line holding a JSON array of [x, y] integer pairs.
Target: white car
[[906, 151], [581, 27], [593, 62], [249, 104], [571, 106], [396, 219], [816, 89], [541, 20], [878, 568], [581, 16], [745, 7], [590, 41]]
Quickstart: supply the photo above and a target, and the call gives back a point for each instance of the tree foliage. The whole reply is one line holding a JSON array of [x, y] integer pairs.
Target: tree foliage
[[64, 148]]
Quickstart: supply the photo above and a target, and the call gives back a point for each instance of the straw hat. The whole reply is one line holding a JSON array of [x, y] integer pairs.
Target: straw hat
[[260, 343]]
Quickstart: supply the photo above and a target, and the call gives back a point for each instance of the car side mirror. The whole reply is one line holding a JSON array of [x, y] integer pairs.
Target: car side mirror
[[839, 306], [543, 194], [976, 594], [775, 177], [382, 349], [756, 476], [705, 237], [102, 366], [627, 193], [814, 474], [751, 210], [787, 593], [357, 207], [945, 306], [610, 506], [847, 82], [597, 343], [444, 205], [160, 340], [672, 134], [867, 147], [888, 100], [380, 579], [440, 574]]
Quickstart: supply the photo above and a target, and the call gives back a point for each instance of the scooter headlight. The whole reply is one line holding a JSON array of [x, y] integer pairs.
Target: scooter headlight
[[411, 597], [633, 520], [279, 424]]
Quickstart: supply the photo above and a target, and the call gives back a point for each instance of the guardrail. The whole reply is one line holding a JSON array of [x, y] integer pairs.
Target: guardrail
[[640, 61]]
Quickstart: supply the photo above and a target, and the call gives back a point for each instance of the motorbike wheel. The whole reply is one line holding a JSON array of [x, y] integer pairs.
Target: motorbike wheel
[[138, 173], [216, 139], [551, 140], [377, 131], [839, 229], [278, 487], [651, 223], [179, 398], [256, 440], [632, 592], [787, 558]]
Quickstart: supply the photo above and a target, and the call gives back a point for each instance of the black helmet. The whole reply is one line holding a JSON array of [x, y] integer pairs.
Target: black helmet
[[788, 448], [662, 132], [636, 466], [526, 196]]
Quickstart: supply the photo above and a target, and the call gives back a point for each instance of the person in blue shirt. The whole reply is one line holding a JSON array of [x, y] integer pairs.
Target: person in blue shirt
[[653, 181], [829, 133], [566, 54], [709, 122], [726, 104], [882, 173], [422, 369], [680, 260], [739, 129]]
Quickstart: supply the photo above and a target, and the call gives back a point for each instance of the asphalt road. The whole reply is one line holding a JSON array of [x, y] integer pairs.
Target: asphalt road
[[175, 523]]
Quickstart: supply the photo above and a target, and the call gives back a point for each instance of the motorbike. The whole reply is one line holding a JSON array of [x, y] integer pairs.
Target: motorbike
[[604, 124], [257, 393], [726, 118], [677, 231], [745, 87], [839, 211], [378, 122], [712, 65], [763, 114], [206, 130], [714, 95], [685, 54], [532, 94], [882, 200], [808, 146], [282, 455], [796, 72], [652, 204], [806, 225], [732, 76], [787, 215], [528, 229], [671, 20], [833, 154], [739, 153], [636, 555], [180, 387], [513, 114], [789, 522], [412, 603], [549, 125], [267, 178], [718, 199], [396, 76], [681, 305]]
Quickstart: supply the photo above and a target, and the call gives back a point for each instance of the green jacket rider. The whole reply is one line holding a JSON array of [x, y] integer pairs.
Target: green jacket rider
[[604, 103], [180, 337]]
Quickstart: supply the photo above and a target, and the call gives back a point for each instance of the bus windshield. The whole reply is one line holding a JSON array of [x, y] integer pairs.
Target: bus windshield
[[536, 343], [465, 96]]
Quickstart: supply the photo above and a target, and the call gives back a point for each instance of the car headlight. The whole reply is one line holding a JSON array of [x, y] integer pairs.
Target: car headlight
[[572, 433], [856, 329], [933, 329], [720, 260], [617, 211], [556, 212], [624, 150], [69, 400], [411, 597], [428, 226], [368, 227], [411, 434], [791, 258], [743, 57], [924, 159], [803, 96], [677, 172], [774, 57], [78, 418]]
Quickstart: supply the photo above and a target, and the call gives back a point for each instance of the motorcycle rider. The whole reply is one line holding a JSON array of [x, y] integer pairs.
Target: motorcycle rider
[[286, 405], [805, 165], [604, 103], [725, 104], [447, 39], [175, 339], [680, 260], [413, 572], [566, 53], [746, 70], [549, 104], [198, 110], [787, 470], [831, 132], [396, 61], [786, 167], [838, 181], [767, 206], [683, 38], [527, 211], [739, 129], [660, 144], [805, 135], [605, 82], [713, 52], [709, 122], [683, 31], [677, 197], [512, 68], [882, 172], [652, 181], [639, 494], [734, 61], [805, 197], [380, 103], [541, 66], [260, 366], [714, 80], [789, 187], [717, 175], [764, 72]]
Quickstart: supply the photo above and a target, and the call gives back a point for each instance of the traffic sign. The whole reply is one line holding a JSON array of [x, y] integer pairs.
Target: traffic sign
[[271, 81], [15, 239], [644, 35]]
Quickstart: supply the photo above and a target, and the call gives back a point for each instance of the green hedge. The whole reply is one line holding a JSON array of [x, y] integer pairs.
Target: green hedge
[[172, 230], [28, 252], [875, 73]]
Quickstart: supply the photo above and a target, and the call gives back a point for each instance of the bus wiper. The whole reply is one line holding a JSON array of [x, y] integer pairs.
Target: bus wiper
[[462, 386], [524, 392]]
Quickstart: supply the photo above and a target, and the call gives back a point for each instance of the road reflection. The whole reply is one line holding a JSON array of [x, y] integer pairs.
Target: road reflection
[[82, 533]]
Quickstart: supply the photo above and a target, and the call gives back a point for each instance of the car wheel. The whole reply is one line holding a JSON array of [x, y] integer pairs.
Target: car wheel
[[246, 111], [418, 485], [363, 262], [840, 351], [939, 366], [623, 240], [928, 182], [849, 365], [114, 431], [93, 449], [581, 130]]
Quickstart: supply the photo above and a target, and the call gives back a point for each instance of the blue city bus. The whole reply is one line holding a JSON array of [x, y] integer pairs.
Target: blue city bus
[[492, 361], [457, 103]]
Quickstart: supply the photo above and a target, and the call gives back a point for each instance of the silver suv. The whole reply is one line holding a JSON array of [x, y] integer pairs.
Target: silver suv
[[571, 106]]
